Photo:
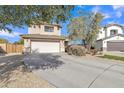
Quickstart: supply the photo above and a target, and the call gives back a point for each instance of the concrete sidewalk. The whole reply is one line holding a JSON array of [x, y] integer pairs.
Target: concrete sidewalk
[[120, 54]]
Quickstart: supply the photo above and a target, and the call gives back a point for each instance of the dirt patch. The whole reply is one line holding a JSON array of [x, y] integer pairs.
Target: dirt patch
[[21, 78]]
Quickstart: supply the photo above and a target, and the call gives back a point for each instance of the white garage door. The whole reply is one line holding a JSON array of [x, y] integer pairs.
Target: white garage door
[[45, 47]]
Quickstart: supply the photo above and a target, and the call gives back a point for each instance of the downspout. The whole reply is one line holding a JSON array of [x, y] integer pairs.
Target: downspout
[[105, 28]]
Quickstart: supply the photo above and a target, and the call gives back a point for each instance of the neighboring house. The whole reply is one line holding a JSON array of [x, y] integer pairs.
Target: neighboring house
[[110, 38], [44, 38]]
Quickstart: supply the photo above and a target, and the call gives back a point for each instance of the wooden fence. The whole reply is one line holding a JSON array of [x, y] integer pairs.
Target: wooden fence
[[11, 48]]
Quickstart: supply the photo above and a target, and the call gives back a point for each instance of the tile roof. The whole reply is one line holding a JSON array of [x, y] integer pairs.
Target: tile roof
[[113, 24]]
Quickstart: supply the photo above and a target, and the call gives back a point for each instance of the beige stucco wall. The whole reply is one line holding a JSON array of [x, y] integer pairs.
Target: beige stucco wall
[[40, 30], [62, 46], [27, 45]]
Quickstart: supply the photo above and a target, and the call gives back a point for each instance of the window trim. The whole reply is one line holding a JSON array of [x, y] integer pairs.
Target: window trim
[[48, 29], [116, 30]]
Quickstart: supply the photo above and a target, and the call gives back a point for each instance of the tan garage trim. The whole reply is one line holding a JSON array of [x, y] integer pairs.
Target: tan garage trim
[[39, 36], [45, 40]]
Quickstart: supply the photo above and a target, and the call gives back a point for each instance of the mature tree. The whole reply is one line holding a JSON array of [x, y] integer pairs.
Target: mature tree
[[30, 14], [93, 28], [85, 28], [2, 40], [76, 28]]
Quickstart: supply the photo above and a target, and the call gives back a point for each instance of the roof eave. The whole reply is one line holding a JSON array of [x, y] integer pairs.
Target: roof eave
[[32, 37]]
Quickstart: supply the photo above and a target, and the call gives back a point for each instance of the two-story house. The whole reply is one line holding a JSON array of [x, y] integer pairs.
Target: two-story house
[[43, 38], [110, 38]]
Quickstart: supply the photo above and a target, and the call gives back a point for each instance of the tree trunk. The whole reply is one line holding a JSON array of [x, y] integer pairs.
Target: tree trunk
[[84, 42], [89, 47]]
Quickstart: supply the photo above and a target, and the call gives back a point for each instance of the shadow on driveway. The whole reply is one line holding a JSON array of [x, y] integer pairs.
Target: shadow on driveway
[[42, 61], [8, 64]]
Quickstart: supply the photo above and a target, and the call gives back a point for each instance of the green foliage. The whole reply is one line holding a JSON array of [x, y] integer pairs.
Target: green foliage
[[85, 27], [20, 15], [112, 57], [76, 28], [93, 27], [3, 40]]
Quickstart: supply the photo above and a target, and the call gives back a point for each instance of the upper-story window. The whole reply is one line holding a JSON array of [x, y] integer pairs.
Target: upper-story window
[[48, 29], [113, 32]]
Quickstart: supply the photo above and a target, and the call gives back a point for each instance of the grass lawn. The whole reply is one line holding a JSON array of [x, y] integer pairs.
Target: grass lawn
[[112, 57]]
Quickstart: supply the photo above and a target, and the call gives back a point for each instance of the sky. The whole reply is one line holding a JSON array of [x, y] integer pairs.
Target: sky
[[112, 14]]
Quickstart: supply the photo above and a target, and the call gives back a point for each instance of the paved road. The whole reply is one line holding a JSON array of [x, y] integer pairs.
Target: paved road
[[76, 72]]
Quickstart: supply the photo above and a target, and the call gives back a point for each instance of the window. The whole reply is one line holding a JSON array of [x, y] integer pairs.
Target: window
[[49, 29], [113, 32], [34, 26]]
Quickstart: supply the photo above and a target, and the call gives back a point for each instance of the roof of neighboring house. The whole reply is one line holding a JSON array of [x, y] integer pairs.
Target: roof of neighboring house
[[39, 36], [113, 24], [116, 41], [111, 36], [45, 23]]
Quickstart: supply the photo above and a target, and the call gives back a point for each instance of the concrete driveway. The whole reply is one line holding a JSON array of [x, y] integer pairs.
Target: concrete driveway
[[65, 71]]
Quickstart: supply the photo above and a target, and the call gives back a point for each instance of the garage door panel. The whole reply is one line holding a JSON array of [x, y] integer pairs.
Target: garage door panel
[[45, 47], [115, 46]]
